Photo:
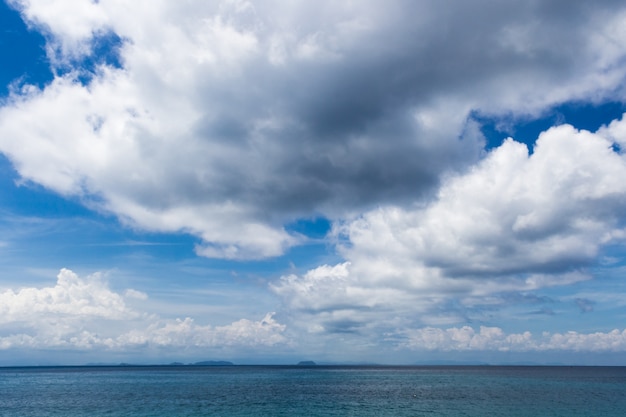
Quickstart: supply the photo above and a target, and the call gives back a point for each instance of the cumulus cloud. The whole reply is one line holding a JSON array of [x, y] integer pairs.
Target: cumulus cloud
[[70, 314], [228, 120], [495, 339], [515, 222], [84, 314], [71, 297], [545, 212]]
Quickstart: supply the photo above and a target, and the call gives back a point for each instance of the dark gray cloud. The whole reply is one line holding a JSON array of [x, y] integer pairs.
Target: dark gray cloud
[[352, 139]]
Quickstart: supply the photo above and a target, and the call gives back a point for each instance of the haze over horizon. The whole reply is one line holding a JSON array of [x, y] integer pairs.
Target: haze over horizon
[[271, 182]]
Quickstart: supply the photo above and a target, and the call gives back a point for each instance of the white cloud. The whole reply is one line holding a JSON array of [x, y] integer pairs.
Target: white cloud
[[515, 222], [513, 211], [84, 314], [130, 293], [71, 297], [231, 119], [185, 333], [495, 339]]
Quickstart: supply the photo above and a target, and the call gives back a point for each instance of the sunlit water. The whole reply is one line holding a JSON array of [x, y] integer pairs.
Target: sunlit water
[[313, 391]]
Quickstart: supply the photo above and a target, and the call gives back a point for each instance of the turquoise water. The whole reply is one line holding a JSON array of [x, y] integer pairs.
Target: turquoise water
[[313, 391]]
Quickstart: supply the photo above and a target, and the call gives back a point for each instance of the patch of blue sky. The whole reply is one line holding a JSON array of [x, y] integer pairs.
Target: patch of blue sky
[[316, 248], [23, 52], [45, 229], [25, 60], [32, 199], [52, 232], [105, 51], [582, 115], [313, 228]]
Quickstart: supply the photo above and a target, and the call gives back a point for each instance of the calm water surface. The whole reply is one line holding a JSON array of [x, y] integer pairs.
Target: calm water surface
[[313, 391]]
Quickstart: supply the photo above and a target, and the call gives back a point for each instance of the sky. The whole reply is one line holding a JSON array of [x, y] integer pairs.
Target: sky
[[344, 182]]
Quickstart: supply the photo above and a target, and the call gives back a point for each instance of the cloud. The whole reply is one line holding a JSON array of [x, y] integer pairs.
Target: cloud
[[514, 223], [495, 339], [229, 120], [584, 305], [513, 212], [185, 333], [71, 297], [84, 314], [130, 293]]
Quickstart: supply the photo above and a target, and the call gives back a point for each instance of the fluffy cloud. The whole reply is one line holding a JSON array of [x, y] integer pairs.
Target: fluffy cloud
[[513, 212], [71, 297], [515, 222], [493, 338], [85, 315], [228, 120], [81, 314], [66, 315]]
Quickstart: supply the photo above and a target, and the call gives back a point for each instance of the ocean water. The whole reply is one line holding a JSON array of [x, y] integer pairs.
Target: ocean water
[[313, 391]]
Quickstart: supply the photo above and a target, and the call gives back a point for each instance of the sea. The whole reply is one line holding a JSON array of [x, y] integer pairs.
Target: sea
[[313, 391]]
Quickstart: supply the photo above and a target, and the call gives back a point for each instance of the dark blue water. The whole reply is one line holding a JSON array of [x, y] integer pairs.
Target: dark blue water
[[313, 391]]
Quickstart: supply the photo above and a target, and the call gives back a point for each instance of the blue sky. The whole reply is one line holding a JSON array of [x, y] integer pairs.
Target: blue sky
[[338, 182]]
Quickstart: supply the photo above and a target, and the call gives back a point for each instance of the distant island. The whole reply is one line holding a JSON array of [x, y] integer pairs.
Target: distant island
[[306, 363]]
